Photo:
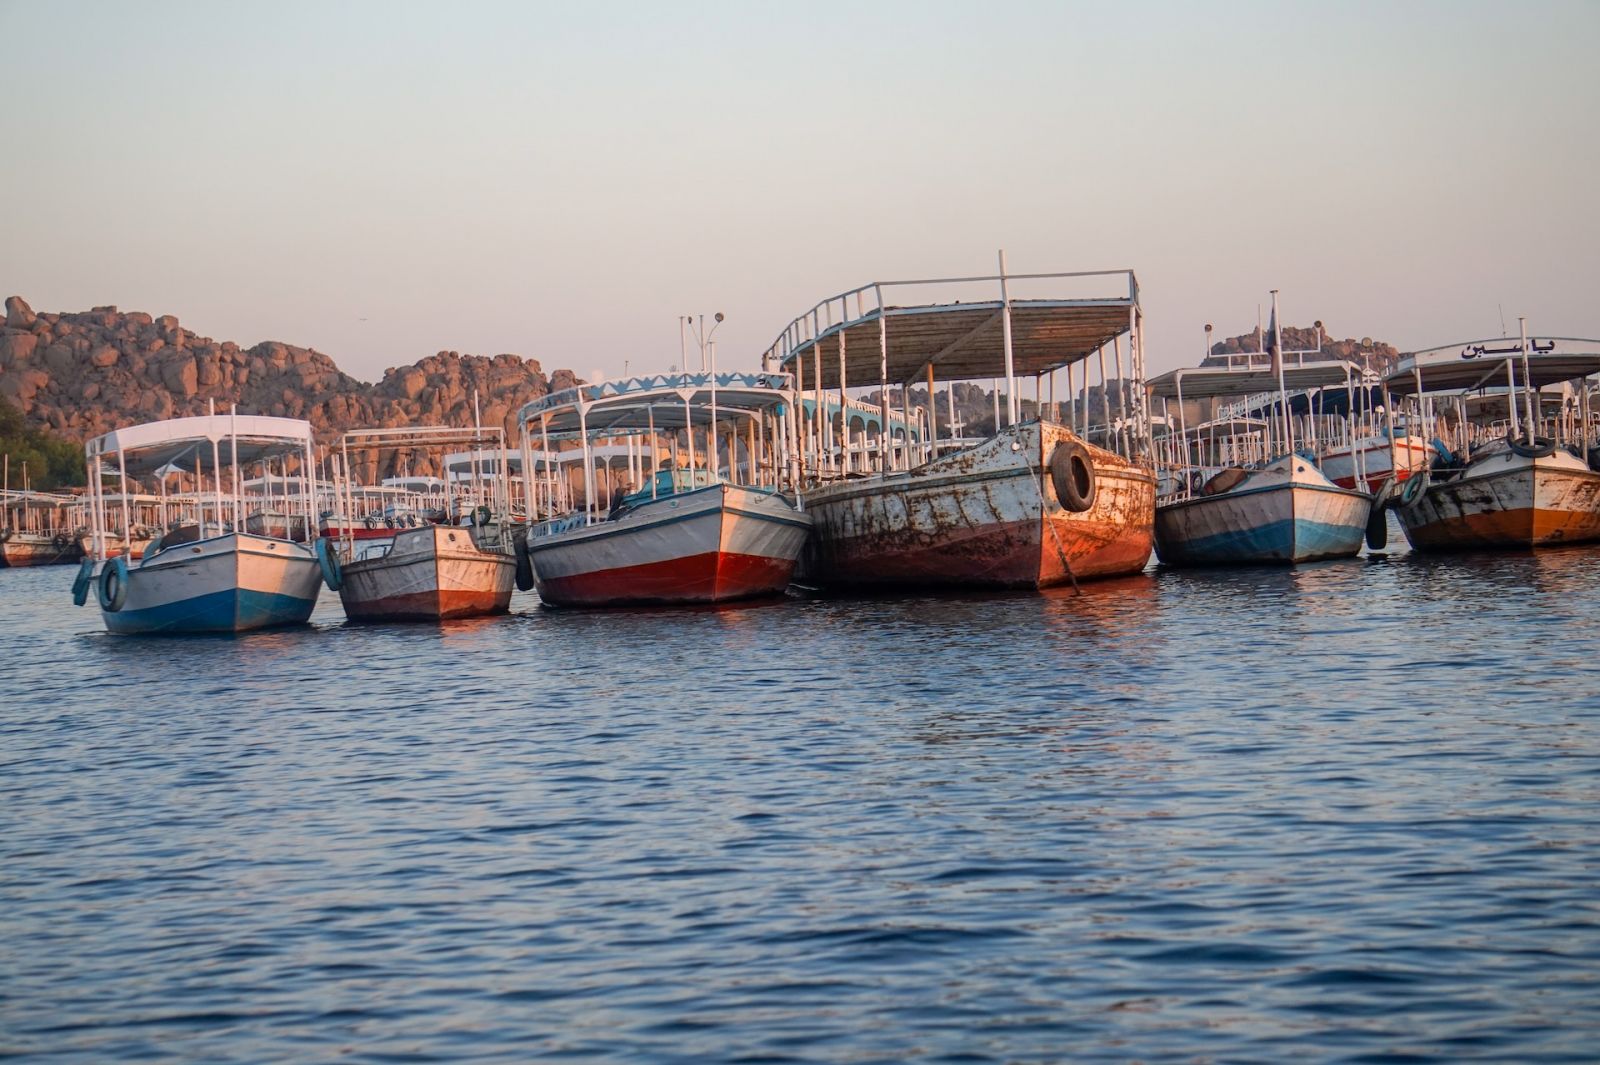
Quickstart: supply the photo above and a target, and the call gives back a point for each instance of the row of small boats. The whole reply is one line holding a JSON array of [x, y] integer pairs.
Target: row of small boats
[[826, 468]]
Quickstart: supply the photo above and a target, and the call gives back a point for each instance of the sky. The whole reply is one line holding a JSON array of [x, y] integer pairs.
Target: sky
[[381, 181]]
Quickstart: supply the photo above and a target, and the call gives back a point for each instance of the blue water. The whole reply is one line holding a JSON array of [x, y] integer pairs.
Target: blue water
[[1342, 813]]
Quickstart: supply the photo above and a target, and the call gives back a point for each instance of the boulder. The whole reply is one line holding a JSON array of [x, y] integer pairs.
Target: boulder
[[16, 347], [18, 314], [20, 386], [181, 376], [59, 358], [104, 355]]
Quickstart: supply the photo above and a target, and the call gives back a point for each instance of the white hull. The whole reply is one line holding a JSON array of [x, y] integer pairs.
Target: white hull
[[229, 583], [708, 545], [1288, 512], [430, 573]]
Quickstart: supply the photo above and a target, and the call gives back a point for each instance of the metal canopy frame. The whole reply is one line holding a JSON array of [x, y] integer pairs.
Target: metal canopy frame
[[1476, 364], [644, 405], [1201, 382]]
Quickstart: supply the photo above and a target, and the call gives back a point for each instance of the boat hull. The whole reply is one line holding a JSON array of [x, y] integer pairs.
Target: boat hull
[[29, 549], [710, 545], [984, 517], [1278, 523], [1374, 458], [1507, 501], [432, 573], [231, 583]]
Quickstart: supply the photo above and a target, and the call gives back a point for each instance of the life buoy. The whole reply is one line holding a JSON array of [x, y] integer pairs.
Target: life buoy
[[112, 588], [328, 562], [1416, 484], [81, 583], [1072, 476], [1541, 447], [524, 565]]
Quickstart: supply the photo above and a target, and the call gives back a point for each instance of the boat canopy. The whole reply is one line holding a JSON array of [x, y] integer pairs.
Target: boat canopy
[[961, 340], [1206, 382], [1477, 364], [179, 442], [664, 402]]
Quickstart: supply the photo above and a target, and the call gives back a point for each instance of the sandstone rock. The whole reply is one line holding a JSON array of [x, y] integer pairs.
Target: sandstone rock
[[16, 347], [155, 345], [59, 358], [20, 386], [208, 371], [180, 376], [167, 323], [104, 355], [18, 314]]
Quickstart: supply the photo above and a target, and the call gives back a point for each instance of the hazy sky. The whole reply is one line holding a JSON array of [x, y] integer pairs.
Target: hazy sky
[[382, 181]]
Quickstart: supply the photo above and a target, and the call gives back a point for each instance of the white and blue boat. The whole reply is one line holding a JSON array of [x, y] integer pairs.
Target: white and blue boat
[[1246, 486], [203, 572]]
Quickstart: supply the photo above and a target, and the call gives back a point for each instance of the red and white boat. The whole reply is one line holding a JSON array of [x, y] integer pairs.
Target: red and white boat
[[1373, 458], [421, 571], [1039, 502], [689, 535]]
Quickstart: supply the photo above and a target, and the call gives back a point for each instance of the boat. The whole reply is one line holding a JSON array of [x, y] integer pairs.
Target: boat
[[689, 533], [1515, 418], [1370, 460], [1248, 487], [1036, 502], [421, 571], [37, 529], [208, 575]]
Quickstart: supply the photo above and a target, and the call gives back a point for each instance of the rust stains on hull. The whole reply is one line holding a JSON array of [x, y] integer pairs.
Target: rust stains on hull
[[986, 517]]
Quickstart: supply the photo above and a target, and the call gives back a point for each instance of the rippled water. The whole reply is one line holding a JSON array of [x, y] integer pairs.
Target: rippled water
[[1340, 813]]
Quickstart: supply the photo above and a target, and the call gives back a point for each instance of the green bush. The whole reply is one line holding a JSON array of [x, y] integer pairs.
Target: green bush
[[53, 461]]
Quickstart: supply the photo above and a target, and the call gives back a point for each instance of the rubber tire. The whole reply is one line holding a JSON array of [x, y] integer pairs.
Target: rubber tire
[[112, 587], [482, 516], [1543, 447], [1072, 476], [1413, 489], [525, 580], [1378, 529], [328, 562], [82, 582]]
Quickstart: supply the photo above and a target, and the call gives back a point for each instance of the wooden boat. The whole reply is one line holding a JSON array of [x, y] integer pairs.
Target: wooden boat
[[1036, 503], [206, 576], [1523, 482], [421, 571], [1371, 459], [1247, 488], [688, 535], [36, 529]]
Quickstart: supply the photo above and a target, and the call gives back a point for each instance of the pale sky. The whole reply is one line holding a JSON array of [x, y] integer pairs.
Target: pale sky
[[384, 180]]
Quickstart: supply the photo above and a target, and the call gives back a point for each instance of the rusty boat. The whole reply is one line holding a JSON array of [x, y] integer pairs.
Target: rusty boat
[[1515, 418], [899, 497]]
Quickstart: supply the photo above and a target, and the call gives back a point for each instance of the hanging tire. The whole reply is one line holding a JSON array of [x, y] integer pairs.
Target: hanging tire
[[328, 562], [82, 582], [1377, 528], [1072, 476], [112, 588], [1415, 485], [524, 565], [482, 516], [1542, 447]]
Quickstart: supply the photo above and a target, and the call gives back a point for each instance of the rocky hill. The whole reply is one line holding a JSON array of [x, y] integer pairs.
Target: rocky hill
[[83, 373], [1364, 352]]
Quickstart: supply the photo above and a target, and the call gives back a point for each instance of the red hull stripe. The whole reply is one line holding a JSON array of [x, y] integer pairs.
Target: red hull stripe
[[713, 577]]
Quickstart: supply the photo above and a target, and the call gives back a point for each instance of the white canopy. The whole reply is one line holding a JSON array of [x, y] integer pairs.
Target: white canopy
[[179, 442]]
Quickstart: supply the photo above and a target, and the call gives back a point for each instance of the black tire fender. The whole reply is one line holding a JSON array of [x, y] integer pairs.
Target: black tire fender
[[524, 565], [1542, 447], [1072, 476], [328, 562], [112, 587]]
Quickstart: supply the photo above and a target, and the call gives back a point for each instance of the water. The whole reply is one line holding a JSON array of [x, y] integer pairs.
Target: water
[[1341, 813]]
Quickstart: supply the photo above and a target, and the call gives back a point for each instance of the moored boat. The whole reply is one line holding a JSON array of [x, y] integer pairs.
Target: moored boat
[[1247, 487], [36, 529], [205, 576], [689, 535], [1036, 502], [1517, 482], [421, 571]]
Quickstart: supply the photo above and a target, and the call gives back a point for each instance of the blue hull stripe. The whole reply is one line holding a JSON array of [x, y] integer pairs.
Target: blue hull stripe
[[1296, 540], [224, 611]]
